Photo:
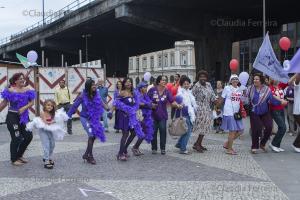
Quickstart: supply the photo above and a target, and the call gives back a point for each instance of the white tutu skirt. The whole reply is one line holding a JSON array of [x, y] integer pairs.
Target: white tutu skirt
[[57, 128]]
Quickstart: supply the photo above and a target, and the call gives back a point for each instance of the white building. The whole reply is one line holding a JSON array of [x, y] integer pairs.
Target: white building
[[91, 64], [180, 60]]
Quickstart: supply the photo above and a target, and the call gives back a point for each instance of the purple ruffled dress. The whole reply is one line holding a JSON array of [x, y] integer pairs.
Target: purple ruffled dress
[[122, 118]]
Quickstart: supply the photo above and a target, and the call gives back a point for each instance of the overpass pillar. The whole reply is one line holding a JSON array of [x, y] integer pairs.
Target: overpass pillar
[[213, 54]]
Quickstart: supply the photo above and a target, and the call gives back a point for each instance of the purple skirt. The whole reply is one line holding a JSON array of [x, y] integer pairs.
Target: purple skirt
[[229, 124], [121, 121]]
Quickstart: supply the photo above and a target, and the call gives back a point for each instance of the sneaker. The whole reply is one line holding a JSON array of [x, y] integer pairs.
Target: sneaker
[[186, 152], [163, 152], [154, 151], [280, 149], [274, 148], [296, 149], [177, 146]]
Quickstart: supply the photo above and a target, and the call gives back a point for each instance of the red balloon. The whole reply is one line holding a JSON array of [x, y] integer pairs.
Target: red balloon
[[174, 91], [285, 43], [169, 86], [234, 64]]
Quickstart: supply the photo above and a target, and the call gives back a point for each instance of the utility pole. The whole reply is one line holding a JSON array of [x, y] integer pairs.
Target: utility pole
[[86, 36]]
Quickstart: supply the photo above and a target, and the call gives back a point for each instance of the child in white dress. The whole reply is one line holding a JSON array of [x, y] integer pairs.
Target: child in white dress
[[50, 126]]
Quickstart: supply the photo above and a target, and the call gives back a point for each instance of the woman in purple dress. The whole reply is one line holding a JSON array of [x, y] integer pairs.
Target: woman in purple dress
[[92, 108], [146, 107], [127, 103], [20, 98]]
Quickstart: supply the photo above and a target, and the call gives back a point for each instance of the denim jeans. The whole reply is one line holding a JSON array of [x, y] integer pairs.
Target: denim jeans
[[278, 116], [105, 122], [184, 139], [162, 127], [48, 143]]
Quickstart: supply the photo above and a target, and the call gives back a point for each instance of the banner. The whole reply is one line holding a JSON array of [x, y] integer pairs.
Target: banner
[[267, 62]]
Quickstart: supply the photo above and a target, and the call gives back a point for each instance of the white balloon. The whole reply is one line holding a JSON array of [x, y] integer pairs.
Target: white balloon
[[243, 77], [286, 65], [147, 76]]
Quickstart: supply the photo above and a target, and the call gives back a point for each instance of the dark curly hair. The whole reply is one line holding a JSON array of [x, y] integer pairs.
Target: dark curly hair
[[202, 72], [184, 79], [261, 77]]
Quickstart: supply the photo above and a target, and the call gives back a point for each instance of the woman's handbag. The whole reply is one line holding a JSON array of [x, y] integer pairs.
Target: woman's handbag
[[178, 126]]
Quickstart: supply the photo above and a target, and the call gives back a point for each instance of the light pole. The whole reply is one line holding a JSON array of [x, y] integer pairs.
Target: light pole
[[43, 2], [243, 54], [138, 69], [86, 36], [162, 63], [264, 18]]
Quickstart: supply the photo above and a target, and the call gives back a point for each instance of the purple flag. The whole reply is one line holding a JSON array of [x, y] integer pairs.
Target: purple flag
[[294, 63]]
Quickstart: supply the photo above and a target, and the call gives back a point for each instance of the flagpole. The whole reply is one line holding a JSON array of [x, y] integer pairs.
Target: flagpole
[[264, 18]]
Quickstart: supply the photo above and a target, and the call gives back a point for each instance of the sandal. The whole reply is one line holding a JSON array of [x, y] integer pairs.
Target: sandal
[[52, 162], [263, 148], [253, 151], [231, 152], [135, 152], [198, 149], [23, 160], [48, 165], [141, 153]]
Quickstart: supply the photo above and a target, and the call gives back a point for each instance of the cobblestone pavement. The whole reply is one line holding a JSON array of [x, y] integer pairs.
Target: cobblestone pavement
[[211, 175]]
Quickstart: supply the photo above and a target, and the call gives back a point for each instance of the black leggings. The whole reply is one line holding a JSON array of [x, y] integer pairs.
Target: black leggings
[[125, 141], [20, 138]]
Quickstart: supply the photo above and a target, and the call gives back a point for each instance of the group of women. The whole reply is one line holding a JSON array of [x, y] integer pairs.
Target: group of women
[[142, 111]]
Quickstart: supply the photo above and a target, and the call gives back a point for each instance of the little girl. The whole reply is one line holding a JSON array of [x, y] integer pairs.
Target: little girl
[[217, 116], [50, 126]]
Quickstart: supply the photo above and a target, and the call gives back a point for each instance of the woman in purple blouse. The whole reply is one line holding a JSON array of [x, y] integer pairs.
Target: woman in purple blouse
[[20, 98], [161, 96], [92, 108], [259, 97]]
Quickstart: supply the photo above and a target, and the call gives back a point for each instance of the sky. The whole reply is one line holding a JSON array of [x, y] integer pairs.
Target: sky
[[16, 15]]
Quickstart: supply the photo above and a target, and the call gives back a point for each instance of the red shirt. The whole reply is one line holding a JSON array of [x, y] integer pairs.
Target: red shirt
[[277, 92]]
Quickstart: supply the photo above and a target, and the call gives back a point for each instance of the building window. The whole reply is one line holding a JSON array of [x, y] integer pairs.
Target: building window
[[165, 60], [130, 64], [152, 62], [172, 79], [159, 61], [172, 59], [144, 64], [137, 64], [183, 58]]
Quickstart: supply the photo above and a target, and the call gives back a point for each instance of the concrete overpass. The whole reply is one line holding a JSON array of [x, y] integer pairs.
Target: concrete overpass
[[122, 28]]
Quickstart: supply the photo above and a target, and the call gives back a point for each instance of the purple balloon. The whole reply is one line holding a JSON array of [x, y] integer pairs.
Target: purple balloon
[[179, 99], [32, 56]]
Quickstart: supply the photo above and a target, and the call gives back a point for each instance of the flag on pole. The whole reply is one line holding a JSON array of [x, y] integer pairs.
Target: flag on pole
[[267, 62], [23, 60], [294, 64]]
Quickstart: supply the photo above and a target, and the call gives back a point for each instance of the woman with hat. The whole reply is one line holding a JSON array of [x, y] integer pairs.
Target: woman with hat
[[231, 122], [146, 107]]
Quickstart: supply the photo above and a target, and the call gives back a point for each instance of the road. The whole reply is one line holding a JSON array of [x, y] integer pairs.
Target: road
[[208, 176]]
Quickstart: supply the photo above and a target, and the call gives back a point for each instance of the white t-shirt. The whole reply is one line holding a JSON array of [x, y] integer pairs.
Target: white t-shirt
[[232, 98], [296, 110]]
